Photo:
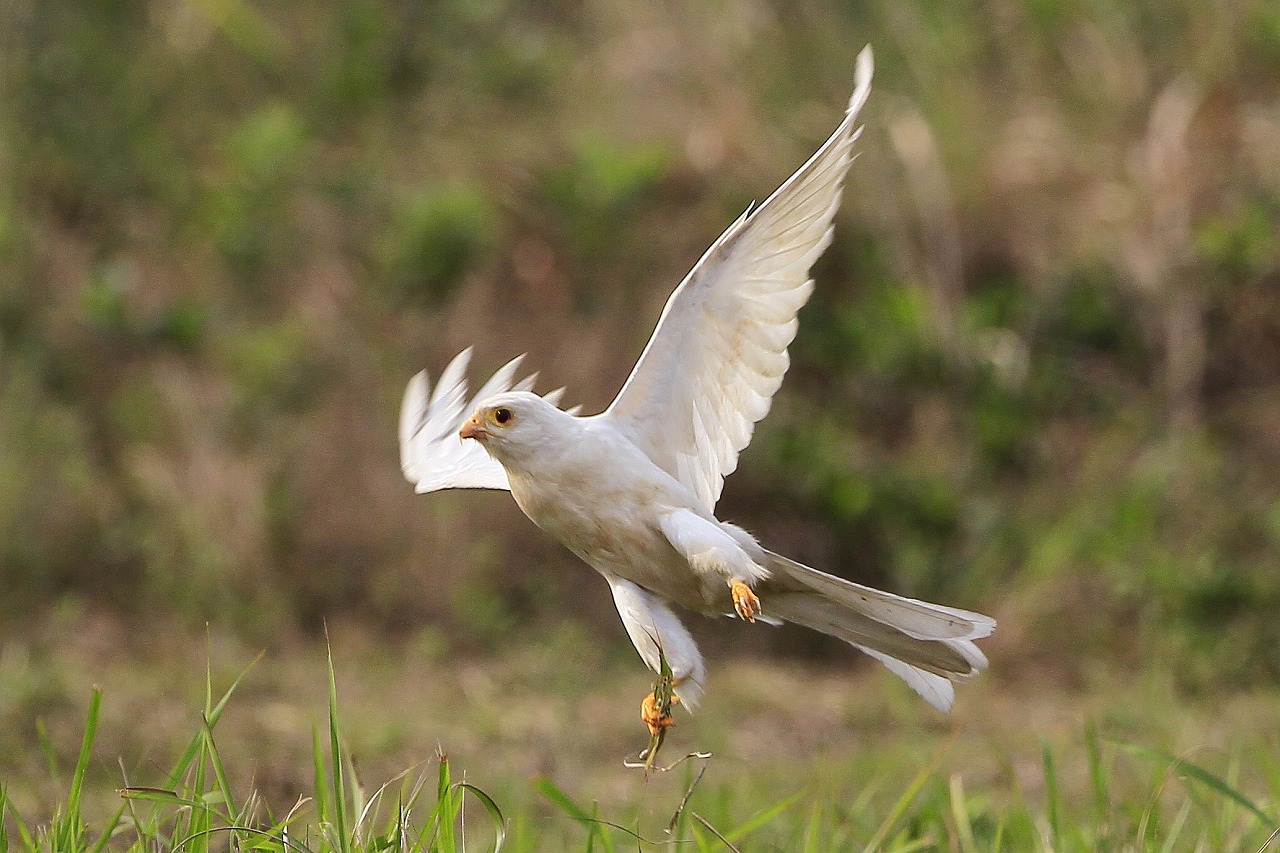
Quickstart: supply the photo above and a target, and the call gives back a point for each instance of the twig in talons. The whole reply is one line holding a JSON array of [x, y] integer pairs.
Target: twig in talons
[[663, 699], [642, 760], [663, 691]]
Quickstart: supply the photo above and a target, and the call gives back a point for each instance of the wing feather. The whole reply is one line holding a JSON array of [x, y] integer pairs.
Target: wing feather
[[432, 455], [719, 351]]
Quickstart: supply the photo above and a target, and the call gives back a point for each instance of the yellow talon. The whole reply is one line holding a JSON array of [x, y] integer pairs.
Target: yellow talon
[[654, 720], [744, 600]]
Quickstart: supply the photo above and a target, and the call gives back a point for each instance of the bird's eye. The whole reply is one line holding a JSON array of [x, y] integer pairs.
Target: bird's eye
[[503, 416]]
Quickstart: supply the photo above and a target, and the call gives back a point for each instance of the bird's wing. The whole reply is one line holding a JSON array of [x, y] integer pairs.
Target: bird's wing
[[652, 626], [432, 455], [719, 351]]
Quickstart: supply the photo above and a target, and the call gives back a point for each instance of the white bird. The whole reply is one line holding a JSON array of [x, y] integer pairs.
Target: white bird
[[632, 491]]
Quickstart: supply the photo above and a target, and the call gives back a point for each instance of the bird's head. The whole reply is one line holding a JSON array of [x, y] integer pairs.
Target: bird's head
[[512, 424]]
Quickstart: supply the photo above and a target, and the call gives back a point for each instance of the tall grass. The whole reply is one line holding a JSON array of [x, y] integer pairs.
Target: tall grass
[[196, 810], [1139, 799]]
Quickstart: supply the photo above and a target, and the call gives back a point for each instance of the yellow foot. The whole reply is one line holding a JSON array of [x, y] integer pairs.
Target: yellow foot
[[744, 600], [649, 714]]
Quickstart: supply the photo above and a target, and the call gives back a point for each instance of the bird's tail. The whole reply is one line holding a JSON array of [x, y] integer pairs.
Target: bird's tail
[[927, 645]]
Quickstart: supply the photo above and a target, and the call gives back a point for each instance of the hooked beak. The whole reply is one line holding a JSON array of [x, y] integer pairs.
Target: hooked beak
[[472, 429]]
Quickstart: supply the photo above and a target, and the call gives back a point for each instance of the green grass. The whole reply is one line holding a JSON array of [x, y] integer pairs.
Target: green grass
[[1133, 797]]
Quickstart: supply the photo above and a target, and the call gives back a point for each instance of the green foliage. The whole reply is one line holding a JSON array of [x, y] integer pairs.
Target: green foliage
[[1091, 316], [593, 192], [229, 232], [603, 179], [48, 489], [249, 209], [105, 300], [196, 809], [273, 368], [433, 241], [1139, 798], [1241, 244]]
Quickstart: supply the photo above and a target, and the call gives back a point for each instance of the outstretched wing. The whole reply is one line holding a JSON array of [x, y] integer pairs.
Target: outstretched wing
[[719, 352], [432, 455]]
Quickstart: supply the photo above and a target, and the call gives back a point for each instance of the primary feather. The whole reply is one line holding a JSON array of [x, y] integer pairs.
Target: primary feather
[[719, 351]]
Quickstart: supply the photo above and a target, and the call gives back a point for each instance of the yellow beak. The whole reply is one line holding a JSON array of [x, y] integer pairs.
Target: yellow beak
[[472, 428]]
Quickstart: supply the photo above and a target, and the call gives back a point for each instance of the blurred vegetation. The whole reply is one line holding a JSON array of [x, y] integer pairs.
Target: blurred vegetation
[[1040, 375], [1084, 794]]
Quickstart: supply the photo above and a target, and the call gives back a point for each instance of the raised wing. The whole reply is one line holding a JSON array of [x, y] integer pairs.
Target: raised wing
[[719, 352], [432, 455]]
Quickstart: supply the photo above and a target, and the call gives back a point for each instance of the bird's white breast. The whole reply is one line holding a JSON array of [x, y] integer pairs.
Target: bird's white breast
[[602, 498]]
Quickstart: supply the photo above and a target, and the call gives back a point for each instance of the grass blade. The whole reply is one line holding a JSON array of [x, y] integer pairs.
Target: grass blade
[[212, 715], [321, 784], [104, 836], [725, 841], [4, 826], [70, 830], [1052, 797], [1194, 771], [24, 832], [46, 749], [762, 817], [219, 772], [814, 829], [561, 800], [908, 795], [599, 830], [914, 844], [960, 813], [1097, 777], [161, 796], [1171, 837], [339, 790], [445, 808], [595, 827], [495, 814], [1098, 783]]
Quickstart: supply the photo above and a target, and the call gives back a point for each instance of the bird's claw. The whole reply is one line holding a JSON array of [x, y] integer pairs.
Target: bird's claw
[[653, 717], [745, 601]]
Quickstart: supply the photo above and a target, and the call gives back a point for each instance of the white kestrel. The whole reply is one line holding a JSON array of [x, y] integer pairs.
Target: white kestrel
[[633, 490]]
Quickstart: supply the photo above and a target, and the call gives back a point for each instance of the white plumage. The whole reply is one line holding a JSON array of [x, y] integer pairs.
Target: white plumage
[[632, 491]]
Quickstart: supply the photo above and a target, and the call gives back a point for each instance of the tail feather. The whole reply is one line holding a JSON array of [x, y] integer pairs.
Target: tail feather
[[927, 645], [915, 618], [934, 689], [947, 658]]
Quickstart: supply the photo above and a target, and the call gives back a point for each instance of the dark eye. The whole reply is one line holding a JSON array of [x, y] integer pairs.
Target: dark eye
[[502, 416]]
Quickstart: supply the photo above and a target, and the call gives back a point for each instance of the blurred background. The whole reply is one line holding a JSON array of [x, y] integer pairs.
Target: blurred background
[[1039, 377]]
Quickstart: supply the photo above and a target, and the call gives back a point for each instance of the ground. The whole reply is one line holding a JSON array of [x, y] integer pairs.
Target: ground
[[562, 707]]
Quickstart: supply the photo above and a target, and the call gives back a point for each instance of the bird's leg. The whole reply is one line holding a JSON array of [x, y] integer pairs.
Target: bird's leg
[[744, 600], [656, 717]]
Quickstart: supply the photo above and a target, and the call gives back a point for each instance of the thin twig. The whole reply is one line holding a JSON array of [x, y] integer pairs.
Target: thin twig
[[684, 801], [702, 820]]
